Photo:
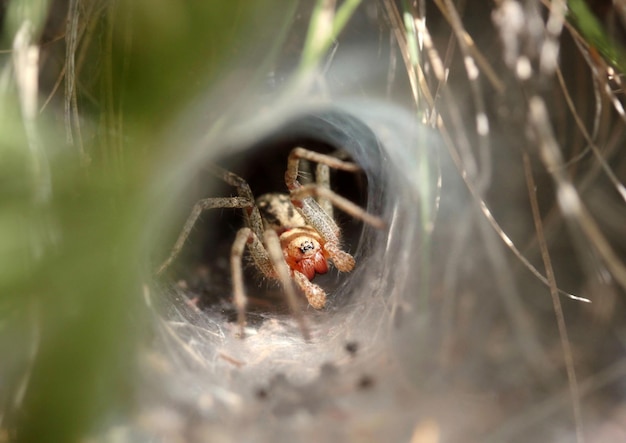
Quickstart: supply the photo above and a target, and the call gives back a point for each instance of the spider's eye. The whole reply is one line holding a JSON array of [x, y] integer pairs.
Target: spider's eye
[[307, 246]]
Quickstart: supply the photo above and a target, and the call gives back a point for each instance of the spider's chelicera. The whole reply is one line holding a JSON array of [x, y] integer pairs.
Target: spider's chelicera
[[291, 237]]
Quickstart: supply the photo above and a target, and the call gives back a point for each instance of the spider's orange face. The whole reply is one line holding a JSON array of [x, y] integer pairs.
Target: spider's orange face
[[303, 251]]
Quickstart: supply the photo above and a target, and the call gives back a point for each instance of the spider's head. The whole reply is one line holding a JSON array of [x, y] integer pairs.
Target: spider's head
[[303, 251]]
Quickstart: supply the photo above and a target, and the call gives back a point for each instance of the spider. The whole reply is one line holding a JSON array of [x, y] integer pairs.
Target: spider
[[291, 237]]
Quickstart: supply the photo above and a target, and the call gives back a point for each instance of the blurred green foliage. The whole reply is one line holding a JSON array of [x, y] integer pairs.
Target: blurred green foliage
[[178, 48], [595, 34], [71, 266], [32, 11]]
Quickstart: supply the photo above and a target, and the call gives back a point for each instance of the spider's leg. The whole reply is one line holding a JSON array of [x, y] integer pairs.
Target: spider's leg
[[337, 200], [239, 295], [293, 164], [246, 236], [322, 178], [343, 261], [283, 274], [323, 193], [314, 294], [252, 214], [198, 208]]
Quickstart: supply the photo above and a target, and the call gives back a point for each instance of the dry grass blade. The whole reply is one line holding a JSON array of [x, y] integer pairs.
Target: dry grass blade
[[568, 198], [413, 69], [558, 310], [72, 117], [472, 50], [596, 151], [494, 223], [483, 179]]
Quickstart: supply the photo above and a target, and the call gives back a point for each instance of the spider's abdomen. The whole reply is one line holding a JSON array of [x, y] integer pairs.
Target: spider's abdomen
[[279, 213], [303, 251]]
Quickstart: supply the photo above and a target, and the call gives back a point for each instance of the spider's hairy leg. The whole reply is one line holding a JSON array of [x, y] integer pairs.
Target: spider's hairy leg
[[321, 190], [343, 261], [283, 274], [322, 178], [313, 190], [314, 294], [293, 164], [239, 296], [252, 215], [198, 208], [246, 236]]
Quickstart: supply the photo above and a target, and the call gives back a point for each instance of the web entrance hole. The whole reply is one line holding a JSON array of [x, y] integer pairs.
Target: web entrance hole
[[202, 272]]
